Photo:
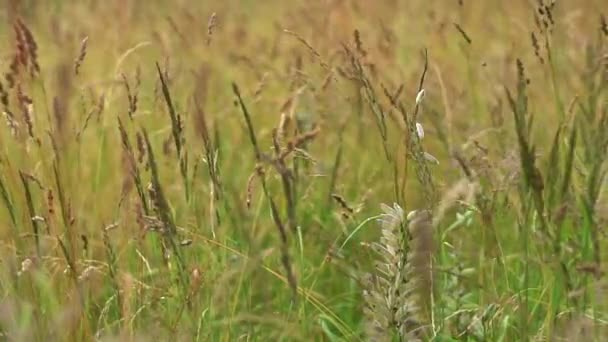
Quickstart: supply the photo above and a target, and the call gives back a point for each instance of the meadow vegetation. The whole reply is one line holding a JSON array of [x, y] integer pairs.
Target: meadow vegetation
[[330, 170]]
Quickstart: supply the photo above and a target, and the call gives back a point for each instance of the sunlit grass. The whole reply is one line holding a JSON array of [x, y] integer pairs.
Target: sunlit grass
[[217, 171]]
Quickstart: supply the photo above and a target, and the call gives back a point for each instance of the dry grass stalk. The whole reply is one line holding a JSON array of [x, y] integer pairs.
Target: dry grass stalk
[[250, 184], [96, 111], [202, 127], [162, 209], [287, 180], [177, 131], [287, 112], [260, 87], [527, 151], [285, 259], [211, 158], [358, 43], [27, 47], [297, 142], [13, 73], [211, 24], [21, 46], [536, 47], [27, 109], [4, 97], [81, 55], [463, 34], [132, 164], [348, 210], [284, 123], [131, 97], [11, 121], [310, 48]]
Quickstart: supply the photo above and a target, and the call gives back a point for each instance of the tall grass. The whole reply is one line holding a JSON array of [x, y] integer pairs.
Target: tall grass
[[219, 171]]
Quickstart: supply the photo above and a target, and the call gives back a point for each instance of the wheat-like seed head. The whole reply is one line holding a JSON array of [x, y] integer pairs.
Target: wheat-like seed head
[[398, 294]]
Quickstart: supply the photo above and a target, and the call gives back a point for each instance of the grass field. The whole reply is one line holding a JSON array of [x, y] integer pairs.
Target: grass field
[[331, 170]]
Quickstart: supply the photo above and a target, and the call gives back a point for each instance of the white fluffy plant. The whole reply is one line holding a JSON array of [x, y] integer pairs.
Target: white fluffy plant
[[399, 293], [420, 130]]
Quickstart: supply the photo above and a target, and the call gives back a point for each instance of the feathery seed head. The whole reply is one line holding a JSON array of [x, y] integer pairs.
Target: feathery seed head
[[419, 130], [420, 97]]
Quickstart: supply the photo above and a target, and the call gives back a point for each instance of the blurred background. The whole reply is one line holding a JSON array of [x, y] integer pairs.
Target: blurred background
[[88, 200]]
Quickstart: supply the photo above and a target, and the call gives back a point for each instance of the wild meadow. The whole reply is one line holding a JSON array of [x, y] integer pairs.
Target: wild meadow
[[330, 170]]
